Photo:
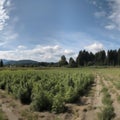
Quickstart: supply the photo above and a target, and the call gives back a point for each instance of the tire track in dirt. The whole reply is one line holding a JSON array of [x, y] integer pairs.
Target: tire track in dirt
[[95, 101], [7, 109], [115, 103], [9, 113]]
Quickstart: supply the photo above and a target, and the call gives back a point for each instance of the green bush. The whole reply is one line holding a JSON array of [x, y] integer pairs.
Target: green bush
[[24, 95], [71, 95], [107, 113], [107, 99], [58, 104], [46, 89], [41, 102]]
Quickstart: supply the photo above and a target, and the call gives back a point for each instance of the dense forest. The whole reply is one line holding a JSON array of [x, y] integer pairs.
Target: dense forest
[[84, 58]]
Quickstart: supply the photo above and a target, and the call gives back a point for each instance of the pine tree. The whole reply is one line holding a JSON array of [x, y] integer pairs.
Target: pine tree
[[1, 63], [63, 61], [72, 63]]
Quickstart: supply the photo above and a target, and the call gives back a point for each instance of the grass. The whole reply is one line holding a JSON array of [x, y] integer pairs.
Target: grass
[[27, 114], [118, 98], [107, 112], [2, 116], [107, 99]]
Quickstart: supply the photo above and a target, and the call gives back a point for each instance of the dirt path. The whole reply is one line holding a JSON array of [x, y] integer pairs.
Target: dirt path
[[9, 113], [95, 101], [6, 108], [113, 92]]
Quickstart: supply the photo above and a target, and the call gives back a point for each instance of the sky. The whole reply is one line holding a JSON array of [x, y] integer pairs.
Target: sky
[[44, 30]]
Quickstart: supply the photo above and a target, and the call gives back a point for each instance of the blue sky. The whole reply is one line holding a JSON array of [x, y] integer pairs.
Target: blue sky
[[43, 30]]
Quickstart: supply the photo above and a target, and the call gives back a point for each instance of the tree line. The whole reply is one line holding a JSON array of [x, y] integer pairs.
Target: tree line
[[85, 58]]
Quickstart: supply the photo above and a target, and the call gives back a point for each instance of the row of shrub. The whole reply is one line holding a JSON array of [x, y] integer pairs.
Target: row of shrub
[[46, 90], [107, 112]]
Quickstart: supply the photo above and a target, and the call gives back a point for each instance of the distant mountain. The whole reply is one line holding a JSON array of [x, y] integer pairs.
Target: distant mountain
[[7, 61], [28, 63], [19, 62]]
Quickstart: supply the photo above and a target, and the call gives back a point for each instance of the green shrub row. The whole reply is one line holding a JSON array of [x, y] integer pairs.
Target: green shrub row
[[107, 112], [45, 90]]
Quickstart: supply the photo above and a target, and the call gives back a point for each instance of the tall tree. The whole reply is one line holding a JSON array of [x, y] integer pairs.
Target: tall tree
[[1, 63], [63, 61], [100, 58], [119, 57], [83, 58], [112, 57], [72, 63]]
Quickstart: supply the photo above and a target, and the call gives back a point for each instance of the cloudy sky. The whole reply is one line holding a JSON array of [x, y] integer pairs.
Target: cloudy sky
[[43, 30]]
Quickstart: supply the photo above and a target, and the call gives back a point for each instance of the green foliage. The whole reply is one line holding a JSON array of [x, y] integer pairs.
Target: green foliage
[[1, 63], [117, 85], [58, 104], [71, 95], [104, 90], [106, 100], [2, 116], [107, 113], [72, 63], [24, 94], [46, 89], [63, 61], [41, 101], [118, 98]]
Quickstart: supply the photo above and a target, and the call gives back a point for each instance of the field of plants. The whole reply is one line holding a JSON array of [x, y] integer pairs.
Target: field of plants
[[46, 89], [60, 94]]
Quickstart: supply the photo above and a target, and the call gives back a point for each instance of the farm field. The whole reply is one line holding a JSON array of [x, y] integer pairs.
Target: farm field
[[60, 94]]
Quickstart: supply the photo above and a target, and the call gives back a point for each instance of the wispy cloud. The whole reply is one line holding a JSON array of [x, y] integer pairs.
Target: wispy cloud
[[100, 14], [110, 26], [77, 39], [21, 47], [7, 32], [114, 16], [3, 14], [61, 45]]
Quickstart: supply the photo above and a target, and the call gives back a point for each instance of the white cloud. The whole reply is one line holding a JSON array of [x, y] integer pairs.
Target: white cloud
[[39, 53], [95, 47], [68, 52]]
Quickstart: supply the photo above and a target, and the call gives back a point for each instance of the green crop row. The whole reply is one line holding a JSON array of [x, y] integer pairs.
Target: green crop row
[[46, 90], [107, 112]]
